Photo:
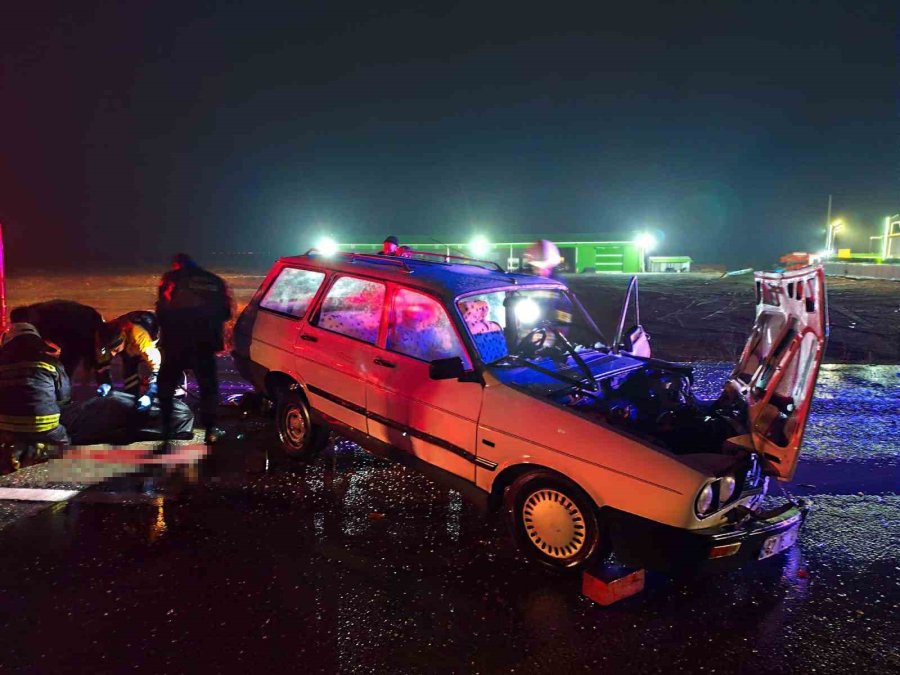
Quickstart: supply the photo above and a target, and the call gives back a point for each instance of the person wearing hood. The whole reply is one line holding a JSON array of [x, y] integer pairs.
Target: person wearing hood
[[192, 306], [33, 388]]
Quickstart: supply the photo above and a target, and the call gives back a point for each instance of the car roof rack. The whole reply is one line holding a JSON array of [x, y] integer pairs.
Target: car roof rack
[[428, 257], [351, 257], [447, 259]]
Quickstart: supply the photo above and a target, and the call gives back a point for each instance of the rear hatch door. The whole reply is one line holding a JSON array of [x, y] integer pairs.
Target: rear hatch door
[[778, 368]]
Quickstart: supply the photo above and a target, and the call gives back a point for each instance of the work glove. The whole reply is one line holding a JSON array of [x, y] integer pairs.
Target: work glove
[[104, 389], [143, 403]]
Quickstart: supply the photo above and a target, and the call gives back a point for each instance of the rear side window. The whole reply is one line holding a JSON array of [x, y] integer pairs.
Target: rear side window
[[292, 291], [420, 328], [353, 307]]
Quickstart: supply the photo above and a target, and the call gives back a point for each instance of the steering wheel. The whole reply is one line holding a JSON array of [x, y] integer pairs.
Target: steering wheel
[[535, 339]]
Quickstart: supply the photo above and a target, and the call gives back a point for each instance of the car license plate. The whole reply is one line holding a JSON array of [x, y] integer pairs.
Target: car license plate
[[779, 542]]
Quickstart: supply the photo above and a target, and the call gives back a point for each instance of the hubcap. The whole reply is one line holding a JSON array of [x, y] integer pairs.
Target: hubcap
[[295, 426], [554, 523]]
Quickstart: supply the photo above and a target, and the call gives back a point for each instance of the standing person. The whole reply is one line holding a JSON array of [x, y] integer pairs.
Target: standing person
[[193, 305], [134, 336], [33, 386], [542, 258]]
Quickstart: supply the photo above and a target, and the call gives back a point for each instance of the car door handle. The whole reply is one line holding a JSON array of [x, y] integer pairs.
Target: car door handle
[[386, 364], [309, 338]]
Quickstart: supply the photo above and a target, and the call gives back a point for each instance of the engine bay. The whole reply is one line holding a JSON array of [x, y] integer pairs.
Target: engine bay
[[657, 401]]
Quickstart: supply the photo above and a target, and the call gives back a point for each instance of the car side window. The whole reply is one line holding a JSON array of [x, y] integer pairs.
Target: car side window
[[292, 291], [419, 327], [353, 307]]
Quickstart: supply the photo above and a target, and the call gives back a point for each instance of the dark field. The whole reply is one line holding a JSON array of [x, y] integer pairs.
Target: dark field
[[690, 317]]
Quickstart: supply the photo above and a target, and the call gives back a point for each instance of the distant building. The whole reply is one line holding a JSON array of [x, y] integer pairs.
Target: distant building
[[581, 253], [669, 263]]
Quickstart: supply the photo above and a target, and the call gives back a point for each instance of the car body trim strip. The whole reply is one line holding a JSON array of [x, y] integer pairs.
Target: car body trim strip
[[428, 438]]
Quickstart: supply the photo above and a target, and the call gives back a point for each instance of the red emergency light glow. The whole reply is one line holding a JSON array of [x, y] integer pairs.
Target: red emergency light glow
[[724, 551]]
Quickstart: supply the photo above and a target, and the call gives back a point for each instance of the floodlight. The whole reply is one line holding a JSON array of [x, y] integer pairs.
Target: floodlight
[[480, 246], [645, 241], [327, 246]]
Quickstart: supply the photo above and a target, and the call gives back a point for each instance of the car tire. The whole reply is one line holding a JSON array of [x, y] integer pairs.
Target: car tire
[[299, 436], [553, 521]]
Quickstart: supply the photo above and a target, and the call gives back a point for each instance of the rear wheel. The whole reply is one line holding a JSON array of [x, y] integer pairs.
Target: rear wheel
[[299, 436], [553, 521]]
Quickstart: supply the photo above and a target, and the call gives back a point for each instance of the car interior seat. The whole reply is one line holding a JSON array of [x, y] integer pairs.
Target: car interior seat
[[487, 335]]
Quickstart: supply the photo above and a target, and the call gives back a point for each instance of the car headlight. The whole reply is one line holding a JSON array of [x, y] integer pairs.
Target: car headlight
[[704, 500], [726, 488]]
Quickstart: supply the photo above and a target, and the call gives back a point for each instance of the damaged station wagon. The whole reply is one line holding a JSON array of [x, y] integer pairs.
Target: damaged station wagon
[[503, 384]]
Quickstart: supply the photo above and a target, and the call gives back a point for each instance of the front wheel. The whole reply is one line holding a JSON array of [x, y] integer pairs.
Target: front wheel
[[300, 437], [553, 521]]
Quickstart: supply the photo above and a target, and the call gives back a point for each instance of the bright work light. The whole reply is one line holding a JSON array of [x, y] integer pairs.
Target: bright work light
[[645, 241], [480, 247], [327, 246]]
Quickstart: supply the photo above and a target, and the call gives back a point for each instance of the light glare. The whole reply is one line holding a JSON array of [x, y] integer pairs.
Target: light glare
[[527, 311], [645, 241], [327, 246], [480, 247]]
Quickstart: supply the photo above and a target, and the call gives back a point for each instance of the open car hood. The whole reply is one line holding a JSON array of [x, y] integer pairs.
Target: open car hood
[[778, 368]]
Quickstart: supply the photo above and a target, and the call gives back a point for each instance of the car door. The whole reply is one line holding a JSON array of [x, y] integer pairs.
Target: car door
[[337, 347], [778, 368], [276, 321], [435, 420]]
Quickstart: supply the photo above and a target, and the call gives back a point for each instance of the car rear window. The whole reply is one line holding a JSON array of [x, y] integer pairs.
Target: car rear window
[[292, 291], [353, 307], [420, 328]]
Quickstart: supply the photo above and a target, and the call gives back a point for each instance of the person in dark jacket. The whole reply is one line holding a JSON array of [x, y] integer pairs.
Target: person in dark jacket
[[33, 386], [134, 336], [192, 307], [70, 325]]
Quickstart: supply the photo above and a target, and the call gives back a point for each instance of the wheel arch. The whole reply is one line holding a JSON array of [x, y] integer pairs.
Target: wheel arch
[[276, 381], [511, 473]]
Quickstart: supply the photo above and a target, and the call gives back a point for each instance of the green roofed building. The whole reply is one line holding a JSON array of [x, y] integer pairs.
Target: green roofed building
[[581, 253]]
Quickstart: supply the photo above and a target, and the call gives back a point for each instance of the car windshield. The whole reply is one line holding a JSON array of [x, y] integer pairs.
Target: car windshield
[[527, 324]]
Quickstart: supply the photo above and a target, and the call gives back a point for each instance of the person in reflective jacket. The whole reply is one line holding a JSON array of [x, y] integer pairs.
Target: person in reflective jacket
[[192, 307], [33, 386], [134, 336]]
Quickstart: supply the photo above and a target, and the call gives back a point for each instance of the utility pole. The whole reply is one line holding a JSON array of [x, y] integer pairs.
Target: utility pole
[[828, 228]]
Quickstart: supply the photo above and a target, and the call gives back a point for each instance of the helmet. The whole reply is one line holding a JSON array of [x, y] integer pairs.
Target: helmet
[[542, 254], [17, 329], [109, 336]]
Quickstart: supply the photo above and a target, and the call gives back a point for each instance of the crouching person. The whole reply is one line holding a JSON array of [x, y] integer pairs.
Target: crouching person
[[134, 336], [33, 387]]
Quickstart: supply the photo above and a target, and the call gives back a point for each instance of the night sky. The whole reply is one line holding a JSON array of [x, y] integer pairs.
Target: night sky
[[131, 130]]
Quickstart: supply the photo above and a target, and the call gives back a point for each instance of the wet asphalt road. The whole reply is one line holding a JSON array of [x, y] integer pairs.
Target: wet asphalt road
[[356, 564]]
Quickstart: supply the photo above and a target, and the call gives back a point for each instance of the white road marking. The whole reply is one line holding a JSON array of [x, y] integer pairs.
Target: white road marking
[[36, 494]]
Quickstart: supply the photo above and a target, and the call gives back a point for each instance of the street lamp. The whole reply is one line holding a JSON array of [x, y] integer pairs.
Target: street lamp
[[645, 242]]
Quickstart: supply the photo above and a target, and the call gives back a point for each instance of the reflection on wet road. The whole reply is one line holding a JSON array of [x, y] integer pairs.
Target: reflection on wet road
[[356, 564]]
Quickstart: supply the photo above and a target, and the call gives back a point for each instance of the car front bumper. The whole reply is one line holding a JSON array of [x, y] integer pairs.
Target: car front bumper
[[649, 544]]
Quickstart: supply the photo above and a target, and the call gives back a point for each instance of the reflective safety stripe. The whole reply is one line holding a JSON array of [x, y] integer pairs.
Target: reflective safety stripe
[[29, 423], [28, 364]]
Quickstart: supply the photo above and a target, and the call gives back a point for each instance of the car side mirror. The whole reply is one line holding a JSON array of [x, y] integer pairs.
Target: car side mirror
[[446, 369]]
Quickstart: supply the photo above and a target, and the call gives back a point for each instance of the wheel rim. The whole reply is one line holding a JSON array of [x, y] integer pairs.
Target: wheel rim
[[554, 523], [295, 426]]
